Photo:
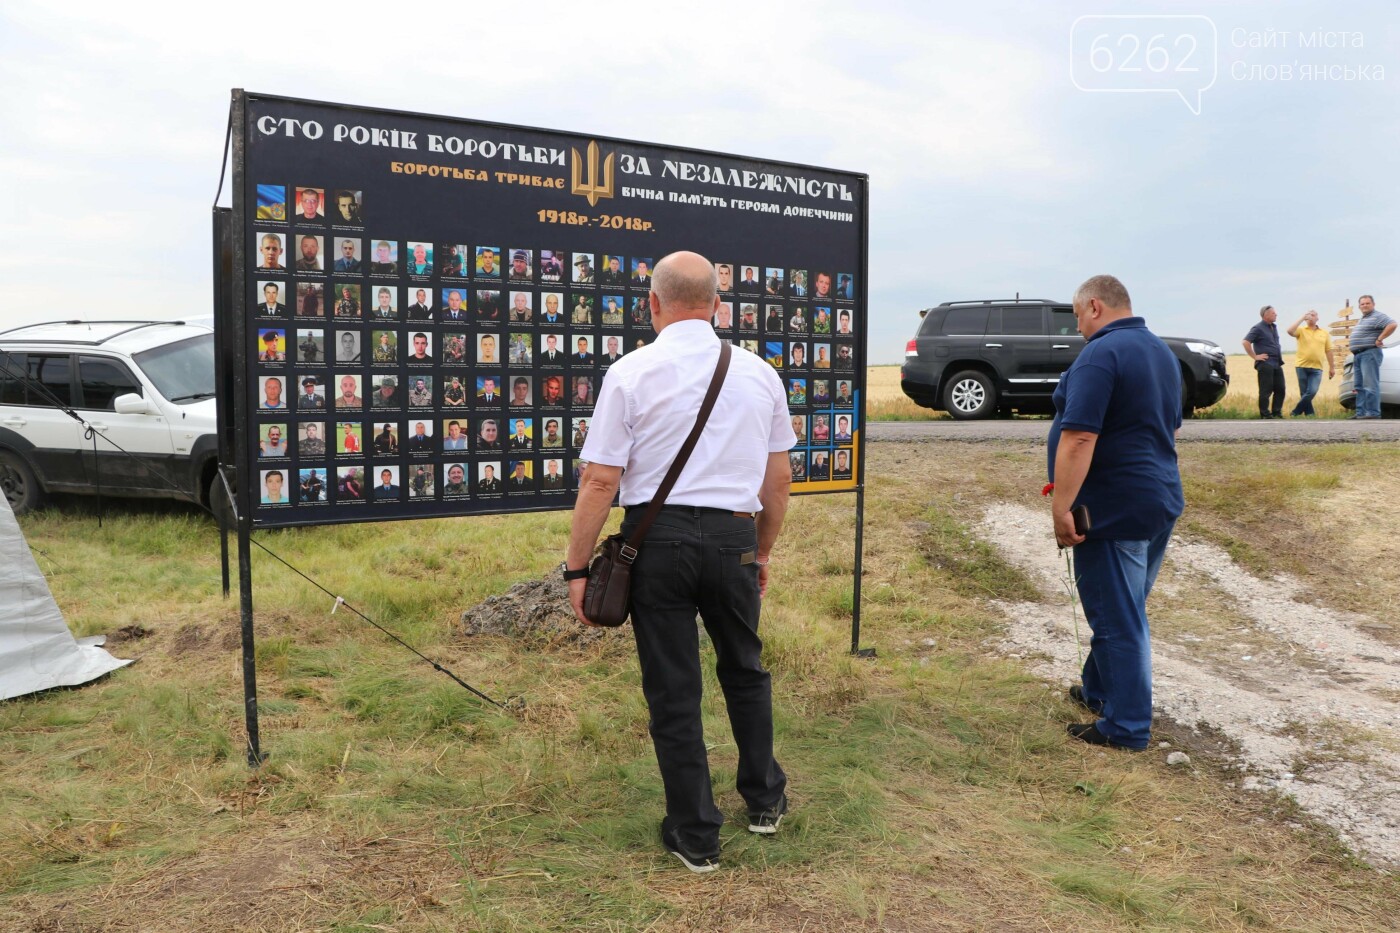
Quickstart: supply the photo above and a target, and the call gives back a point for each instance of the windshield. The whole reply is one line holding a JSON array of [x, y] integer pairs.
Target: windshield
[[183, 372]]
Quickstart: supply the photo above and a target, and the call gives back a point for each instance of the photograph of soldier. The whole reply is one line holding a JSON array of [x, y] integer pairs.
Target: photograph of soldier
[[422, 307], [384, 308], [821, 319], [387, 488], [350, 484], [456, 484], [312, 396], [582, 396], [641, 311], [639, 343], [386, 392], [552, 439], [844, 398], [845, 286], [313, 486], [583, 351], [550, 354], [748, 318], [845, 428], [641, 273], [797, 283], [521, 307], [583, 309], [797, 391], [488, 390], [613, 272], [386, 346], [749, 345], [347, 438], [551, 303], [454, 348], [522, 434], [347, 260], [583, 269], [821, 392], [552, 480], [841, 468], [454, 435], [772, 281], [725, 272], [580, 432], [310, 299], [520, 392], [488, 482], [486, 353], [797, 323], [551, 266], [311, 439], [798, 460], [270, 249], [420, 441], [522, 268], [272, 203], [749, 280], [844, 323], [272, 441], [799, 427], [488, 436], [309, 259], [613, 315], [521, 353], [821, 286], [774, 322], [454, 395], [773, 353], [821, 429], [386, 258], [552, 391], [452, 259], [347, 208], [272, 346], [311, 346], [420, 394], [422, 354], [520, 478], [273, 487], [724, 316], [821, 466], [488, 305], [844, 359], [347, 300], [349, 396], [821, 358], [420, 258], [420, 484], [454, 305], [271, 305], [386, 441], [612, 351], [311, 205], [486, 265]]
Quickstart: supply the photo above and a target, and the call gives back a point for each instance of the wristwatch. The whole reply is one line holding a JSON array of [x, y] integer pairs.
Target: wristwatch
[[580, 574]]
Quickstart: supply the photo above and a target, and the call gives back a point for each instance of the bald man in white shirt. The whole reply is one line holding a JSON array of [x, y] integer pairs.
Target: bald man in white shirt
[[706, 553]]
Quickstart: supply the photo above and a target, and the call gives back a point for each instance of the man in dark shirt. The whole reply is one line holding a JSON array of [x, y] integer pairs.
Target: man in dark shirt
[[1112, 449], [1261, 343]]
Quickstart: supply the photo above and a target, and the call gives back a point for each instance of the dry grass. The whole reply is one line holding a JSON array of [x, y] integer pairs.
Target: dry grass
[[1242, 400], [933, 786]]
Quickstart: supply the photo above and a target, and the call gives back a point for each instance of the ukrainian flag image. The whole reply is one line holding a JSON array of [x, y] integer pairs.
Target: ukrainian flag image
[[272, 202]]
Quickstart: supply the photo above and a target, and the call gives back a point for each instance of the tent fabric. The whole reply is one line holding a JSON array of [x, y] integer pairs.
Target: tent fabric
[[37, 651]]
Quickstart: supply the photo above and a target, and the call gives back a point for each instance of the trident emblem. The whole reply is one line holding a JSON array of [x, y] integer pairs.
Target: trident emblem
[[591, 189]]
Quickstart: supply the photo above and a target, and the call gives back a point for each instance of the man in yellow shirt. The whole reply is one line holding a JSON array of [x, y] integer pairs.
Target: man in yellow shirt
[[1314, 348]]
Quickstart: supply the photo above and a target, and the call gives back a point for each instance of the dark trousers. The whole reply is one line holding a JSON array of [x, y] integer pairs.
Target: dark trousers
[[693, 560], [1271, 383]]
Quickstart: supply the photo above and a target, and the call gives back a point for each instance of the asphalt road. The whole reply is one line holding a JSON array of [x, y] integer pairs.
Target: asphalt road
[[1282, 431]]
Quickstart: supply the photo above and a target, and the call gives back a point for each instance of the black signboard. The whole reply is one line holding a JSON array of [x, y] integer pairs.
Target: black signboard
[[430, 305]]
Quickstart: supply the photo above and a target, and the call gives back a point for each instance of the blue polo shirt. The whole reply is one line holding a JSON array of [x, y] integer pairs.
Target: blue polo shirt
[[1125, 386]]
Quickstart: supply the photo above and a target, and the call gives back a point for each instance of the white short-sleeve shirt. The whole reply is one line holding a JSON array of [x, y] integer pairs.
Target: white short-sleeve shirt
[[648, 404]]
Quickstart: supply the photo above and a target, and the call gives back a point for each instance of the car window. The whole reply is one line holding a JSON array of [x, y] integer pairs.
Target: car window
[[183, 371], [1021, 321], [1062, 323], [965, 322], [103, 380], [53, 371], [11, 379]]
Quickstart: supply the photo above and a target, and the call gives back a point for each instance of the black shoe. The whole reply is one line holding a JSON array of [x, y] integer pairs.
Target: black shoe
[[766, 822], [696, 862], [1088, 732], [1076, 693]]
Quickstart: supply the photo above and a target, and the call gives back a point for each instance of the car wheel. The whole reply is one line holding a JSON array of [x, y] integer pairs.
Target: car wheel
[[969, 395], [218, 500], [21, 487]]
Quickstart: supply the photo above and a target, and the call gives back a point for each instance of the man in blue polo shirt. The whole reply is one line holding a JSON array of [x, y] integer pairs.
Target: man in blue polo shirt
[[1112, 448], [1262, 345]]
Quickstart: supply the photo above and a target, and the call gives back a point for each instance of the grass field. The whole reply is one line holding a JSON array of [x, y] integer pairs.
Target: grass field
[[933, 787]]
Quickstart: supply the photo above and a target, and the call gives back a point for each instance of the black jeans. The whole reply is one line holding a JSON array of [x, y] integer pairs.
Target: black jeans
[[1271, 382], [693, 560]]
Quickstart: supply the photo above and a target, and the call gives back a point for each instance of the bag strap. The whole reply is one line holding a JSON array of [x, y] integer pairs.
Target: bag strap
[[629, 550]]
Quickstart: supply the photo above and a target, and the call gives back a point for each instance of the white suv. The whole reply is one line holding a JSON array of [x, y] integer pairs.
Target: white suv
[[148, 386]]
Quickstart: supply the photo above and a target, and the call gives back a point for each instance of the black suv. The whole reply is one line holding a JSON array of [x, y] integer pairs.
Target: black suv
[[976, 359]]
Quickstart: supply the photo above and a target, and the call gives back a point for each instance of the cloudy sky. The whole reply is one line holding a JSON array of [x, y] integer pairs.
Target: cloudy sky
[[991, 172]]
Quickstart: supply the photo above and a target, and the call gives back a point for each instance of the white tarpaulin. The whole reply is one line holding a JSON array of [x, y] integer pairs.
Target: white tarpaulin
[[36, 649]]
